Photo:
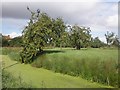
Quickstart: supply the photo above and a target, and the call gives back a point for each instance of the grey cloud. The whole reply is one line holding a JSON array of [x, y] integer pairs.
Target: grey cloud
[[71, 12], [14, 10]]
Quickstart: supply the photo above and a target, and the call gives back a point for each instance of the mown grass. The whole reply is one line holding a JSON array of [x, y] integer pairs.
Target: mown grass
[[42, 78], [7, 79]]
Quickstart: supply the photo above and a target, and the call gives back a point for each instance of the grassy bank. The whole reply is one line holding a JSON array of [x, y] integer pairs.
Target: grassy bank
[[42, 78]]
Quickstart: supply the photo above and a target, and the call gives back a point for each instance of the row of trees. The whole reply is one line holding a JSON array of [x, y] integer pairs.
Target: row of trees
[[68, 41], [43, 30], [13, 42]]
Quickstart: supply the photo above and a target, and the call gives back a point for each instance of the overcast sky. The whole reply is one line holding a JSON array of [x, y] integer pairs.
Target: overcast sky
[[100, 16]]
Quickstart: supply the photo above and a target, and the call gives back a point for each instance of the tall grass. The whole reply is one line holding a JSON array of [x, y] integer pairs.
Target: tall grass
[[94, 65], [8, 81], [12, 52]]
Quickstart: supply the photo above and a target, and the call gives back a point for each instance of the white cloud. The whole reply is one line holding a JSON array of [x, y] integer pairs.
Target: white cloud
[[103, 39], [14, 34], [115, 8], [112, 21]]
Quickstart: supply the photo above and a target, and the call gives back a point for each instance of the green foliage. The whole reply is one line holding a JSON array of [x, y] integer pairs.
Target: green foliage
[[16, 42], [13, 42], [96, 43], [58, 31], [35, 36], [40, 30], [5, 43], [80, 36]]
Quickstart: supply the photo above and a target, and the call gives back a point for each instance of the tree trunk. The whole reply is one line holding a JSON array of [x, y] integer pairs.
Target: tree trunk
[[22, 61], [108, 81], [61, 46], [78, 47]]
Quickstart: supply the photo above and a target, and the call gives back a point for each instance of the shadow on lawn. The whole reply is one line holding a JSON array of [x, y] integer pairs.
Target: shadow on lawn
[[42, 54], [52, 51]]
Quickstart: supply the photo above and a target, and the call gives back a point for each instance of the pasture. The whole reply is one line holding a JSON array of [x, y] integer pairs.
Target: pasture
[[66, 68]]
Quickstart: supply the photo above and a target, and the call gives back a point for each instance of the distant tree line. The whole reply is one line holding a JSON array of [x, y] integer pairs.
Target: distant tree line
[[6, 41], [69, 41]]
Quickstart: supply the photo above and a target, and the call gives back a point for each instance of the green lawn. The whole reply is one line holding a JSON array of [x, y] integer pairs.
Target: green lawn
[[43, 78]]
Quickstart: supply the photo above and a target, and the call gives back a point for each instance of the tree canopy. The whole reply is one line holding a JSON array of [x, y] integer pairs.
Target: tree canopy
[[112, 39], [41, 30], [80, 36]]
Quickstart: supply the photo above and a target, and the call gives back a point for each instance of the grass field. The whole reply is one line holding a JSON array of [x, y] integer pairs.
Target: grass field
[[64, 68], [97, 65], [43, 78]]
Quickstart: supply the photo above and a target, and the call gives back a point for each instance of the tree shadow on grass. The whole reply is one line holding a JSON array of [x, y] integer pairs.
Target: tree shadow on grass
[[52, 51], [10, 65], [44, 52]]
